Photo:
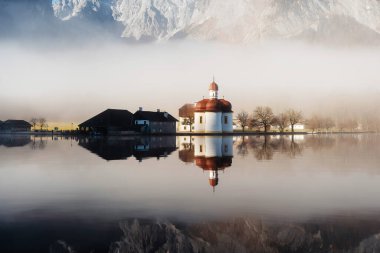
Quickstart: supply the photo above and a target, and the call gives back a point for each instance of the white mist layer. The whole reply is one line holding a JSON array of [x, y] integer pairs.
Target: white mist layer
[[71, 84]]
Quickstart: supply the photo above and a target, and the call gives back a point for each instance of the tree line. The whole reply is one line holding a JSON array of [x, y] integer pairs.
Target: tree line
[[264, 118], [39, 123]]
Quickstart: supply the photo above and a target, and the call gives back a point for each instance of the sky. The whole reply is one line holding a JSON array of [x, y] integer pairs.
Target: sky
[[70, 83]]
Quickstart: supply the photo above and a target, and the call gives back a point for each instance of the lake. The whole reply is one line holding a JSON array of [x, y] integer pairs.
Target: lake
[[302, 193]]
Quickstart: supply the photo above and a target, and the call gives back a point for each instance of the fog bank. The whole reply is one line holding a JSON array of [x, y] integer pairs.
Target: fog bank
[[71, 82]]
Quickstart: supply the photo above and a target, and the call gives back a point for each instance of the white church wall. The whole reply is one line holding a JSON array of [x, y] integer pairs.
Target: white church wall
[[213, 122], [227, 146], [199, 146], [213, 146], [227, 127], [199, 122]]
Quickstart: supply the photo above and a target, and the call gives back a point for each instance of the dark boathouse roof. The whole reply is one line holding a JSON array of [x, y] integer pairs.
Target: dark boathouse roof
[[15, 123], [110, 118], [154, 116], [109, 148], [14, 140]]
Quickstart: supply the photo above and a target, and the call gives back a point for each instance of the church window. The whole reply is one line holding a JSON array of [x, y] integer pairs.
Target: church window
[[225, 119], [200, 119]]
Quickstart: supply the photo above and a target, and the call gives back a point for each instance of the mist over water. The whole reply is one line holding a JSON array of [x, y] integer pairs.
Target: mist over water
[[221, 193], [305, 192]]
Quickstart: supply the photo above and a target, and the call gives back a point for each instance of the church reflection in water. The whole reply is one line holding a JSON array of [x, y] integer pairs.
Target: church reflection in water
[[210, 153], [128, 224], [213, 154]]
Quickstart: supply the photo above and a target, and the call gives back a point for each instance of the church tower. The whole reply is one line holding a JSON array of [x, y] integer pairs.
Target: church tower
[[213, 115], [213, 90]]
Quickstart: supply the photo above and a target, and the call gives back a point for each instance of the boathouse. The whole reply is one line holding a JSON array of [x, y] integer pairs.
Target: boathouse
[[154, 122], [114, 121], [15, 126], [110, 121]]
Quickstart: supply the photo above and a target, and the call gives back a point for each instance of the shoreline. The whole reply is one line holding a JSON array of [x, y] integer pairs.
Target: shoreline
[[240, 133]]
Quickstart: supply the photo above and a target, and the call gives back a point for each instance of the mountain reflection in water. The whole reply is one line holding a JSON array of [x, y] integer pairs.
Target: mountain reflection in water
[[313, 193]]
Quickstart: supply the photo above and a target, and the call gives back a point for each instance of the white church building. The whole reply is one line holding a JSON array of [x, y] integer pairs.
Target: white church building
[[213, 115]]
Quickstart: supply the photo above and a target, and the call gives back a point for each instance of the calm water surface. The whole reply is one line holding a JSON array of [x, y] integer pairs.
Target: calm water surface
[[190, 194]]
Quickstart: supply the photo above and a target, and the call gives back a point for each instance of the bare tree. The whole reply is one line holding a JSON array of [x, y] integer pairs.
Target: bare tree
[[314, 123], [328, 123], [242, 147], [352, 124], [187, 113], [341, 124], [253, 123], [263, 116], [294, 117], [243, 119], [347, 124], [372, 124], [42, 123], [281, 121], [188, 121], [34, 122]]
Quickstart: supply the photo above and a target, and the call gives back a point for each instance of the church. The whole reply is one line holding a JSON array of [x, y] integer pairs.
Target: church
[[210, 153], [210, 115]]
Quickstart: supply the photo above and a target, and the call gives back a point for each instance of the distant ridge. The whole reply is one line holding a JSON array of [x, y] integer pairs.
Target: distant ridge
[[232, 21]]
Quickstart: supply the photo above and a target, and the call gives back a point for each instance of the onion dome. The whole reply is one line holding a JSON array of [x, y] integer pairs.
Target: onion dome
[[213, 86], [214, 105], [204, 163], [213, 182], [213, 163], [226, 162], [226, 105], [201, 105], [200, 162]]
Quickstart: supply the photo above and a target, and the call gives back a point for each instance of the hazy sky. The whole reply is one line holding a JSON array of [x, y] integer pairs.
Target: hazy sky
[[73, 82]]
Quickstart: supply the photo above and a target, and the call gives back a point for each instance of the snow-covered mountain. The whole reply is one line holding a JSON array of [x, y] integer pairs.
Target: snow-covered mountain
[[69, 9], [232, 20]]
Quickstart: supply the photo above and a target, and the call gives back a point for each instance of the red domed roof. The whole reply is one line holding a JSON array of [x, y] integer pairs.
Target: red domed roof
[[226, 105], [214, 105], [201, 105], [213, 86], [213, 163], [200, 162], [207, 163]]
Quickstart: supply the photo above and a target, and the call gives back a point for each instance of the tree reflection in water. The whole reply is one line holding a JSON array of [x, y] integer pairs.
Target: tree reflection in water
[[265, 147]]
